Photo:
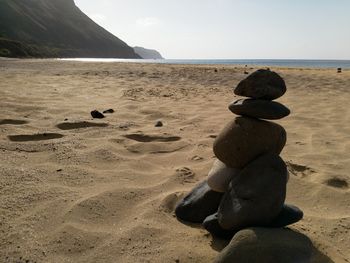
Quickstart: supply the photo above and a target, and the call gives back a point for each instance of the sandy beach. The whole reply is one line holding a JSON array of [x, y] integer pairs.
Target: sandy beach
[[77, 189]]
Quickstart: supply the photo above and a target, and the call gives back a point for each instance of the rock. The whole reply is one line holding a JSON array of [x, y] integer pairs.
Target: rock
[[245, 138], [211, 224], [198, 204], [158, 124], [108, 111], [289, 215], [97, 115], [266, 245], [263, 109], [262, 84], [220, 176], [256, 195], [339, 70]]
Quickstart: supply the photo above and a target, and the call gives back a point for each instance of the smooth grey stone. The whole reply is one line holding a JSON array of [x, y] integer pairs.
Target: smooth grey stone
[[220, 176], [245, 138], [198, 204], [256, 195], [289, 215], [267, 245], [262, 109], [262, 84]]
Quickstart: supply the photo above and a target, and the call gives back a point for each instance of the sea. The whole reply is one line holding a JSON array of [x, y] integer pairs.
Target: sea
[[289, 63]]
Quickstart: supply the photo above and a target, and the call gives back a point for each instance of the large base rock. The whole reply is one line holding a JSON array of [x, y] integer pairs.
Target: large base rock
[[267, 245], [198, 204]]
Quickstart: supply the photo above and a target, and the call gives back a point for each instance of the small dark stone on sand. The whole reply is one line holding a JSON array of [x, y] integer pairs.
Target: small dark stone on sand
[[59, 170], [339, 70], [97, 115], [108, 111], [159, 124], [198, 204]]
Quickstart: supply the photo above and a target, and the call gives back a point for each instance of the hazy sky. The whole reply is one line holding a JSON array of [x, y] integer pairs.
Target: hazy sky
[[237, 29]]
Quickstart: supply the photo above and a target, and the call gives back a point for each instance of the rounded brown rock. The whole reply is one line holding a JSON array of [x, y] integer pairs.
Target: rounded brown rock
[[244, 139], [262, 84], [262, 109]]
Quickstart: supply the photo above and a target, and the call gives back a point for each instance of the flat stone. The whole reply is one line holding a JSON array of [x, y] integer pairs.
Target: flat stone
[[263, 109], [267, 245], [289, 215], [245, 138], [220, 176], [198, 204], [262, 84], [256, 195]]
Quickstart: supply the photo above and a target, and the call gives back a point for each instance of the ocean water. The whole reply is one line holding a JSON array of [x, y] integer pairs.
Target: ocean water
[[290, 63]]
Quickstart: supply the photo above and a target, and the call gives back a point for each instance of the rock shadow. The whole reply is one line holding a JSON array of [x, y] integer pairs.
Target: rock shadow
[[79, 125], [35, 137], [12, 122]]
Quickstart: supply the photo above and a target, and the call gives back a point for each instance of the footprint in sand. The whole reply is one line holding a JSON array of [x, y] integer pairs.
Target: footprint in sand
[[12, 122], [79, 125], [153, 144], [35, 137], [299, 170], [152, 138], [168, 204]]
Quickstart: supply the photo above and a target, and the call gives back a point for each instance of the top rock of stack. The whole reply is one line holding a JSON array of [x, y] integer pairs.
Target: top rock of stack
[[262, 84]]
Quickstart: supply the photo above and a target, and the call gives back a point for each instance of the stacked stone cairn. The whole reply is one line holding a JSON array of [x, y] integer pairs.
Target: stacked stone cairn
[[246, 186]]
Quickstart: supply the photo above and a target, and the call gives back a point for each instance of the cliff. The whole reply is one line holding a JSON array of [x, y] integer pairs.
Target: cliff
[[56, 28]]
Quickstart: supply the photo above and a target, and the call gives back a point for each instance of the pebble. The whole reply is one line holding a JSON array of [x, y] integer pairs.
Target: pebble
[[158, 124], [97, 115]]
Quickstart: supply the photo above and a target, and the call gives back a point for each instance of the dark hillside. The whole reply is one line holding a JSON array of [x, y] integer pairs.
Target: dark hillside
[[58, 26]]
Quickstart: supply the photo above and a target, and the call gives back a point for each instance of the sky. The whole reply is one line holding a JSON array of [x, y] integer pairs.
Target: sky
[[229, 29]]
